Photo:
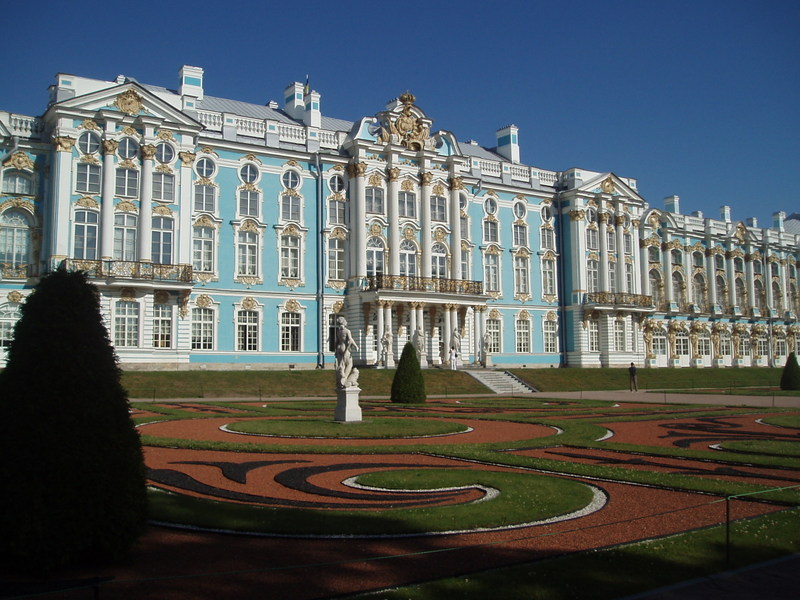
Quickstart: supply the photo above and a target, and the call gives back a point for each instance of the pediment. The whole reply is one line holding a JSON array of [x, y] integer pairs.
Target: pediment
[[129, 100], [405, 124], [5, 131], [610, 184], [741, 233]]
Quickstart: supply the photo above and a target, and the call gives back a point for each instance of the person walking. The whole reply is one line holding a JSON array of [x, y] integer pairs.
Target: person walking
[[634, 383], [453, 358]]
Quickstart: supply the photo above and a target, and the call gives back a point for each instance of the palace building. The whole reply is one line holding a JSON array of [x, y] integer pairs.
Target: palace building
[[223, 234]]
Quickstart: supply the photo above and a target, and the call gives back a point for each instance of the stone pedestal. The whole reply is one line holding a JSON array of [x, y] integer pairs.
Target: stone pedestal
[[718, 362], [347, 408], [651, 363]]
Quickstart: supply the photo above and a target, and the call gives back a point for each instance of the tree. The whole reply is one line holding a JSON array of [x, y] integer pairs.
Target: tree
[[790, 379], [70, 458], [408, 386]]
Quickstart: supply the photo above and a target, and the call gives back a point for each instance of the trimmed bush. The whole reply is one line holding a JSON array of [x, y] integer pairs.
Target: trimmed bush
[[408, 386], [70, 458], [790, 379]]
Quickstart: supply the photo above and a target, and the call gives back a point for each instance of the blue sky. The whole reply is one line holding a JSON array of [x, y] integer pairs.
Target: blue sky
[[695, 98]]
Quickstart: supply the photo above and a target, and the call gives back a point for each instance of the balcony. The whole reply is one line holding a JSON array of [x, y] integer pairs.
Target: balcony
[[18, 271], [423, 284], [619, 299], [132, 270]]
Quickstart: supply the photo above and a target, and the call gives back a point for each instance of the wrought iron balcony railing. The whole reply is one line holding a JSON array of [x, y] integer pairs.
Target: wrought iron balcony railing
[[619, 299], [424, 284], [133, 270]]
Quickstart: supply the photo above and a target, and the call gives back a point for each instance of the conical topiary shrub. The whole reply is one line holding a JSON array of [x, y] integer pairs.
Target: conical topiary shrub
[[70, 458], [790, 379], [408, 386]]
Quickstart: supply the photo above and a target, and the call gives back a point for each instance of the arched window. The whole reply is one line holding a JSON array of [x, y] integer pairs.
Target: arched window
[[656, 289], [722, 291], [408, 258], [757, 269], [438, 261], [9, 315], [375, 250], [777, 296], [719, 262], [699, 291], [699, 259], [592, 276], [16, 182], [677, 288], [741, 296], [676, 256], [760, 301], [653, 254], [15, 239]]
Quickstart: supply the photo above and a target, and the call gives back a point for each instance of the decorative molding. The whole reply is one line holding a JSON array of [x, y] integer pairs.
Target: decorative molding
[[19, 160], [129, 102]]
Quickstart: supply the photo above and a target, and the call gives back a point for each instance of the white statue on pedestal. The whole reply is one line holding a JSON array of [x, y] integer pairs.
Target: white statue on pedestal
[[346, 375]]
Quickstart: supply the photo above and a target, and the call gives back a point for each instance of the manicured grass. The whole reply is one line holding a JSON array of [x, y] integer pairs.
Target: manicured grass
[[768, 447], [622, 570], [371, 428], [559, 380], [277, 384], [792, 421], [523, 498]]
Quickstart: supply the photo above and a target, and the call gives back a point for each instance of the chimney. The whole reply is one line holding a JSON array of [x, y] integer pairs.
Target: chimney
[[294, 106], [508, 143], [191, 83], [725, 213], [778, 219], [751, 222], [312, 115], [672, 204], [698, 214]]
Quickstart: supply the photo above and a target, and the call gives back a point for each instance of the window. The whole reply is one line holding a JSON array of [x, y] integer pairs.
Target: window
[[490, 231], [204, 198], [738, 265], [336, 259], [336, 184], [205, 167], [332, 332], [780, 346], [681, 343], [407, 205], [611, 240], [127, 183], [628, 278], [438, 261], [125, 229], [591, 215], [248, 173], [777, 296], [291, 180], [760, 295], [87, 178], [676, 256], [592, 276], [375, 249], [762, 345], [490, 206], [741, 296], [547, 213], [592, 236], [162, 240], [126, 324], [550, 337], [744, 345], [523, 330], [85, 242], [521, 271], [724, 343], [464, 228], [248, 203], [628, 241], [290, 332], [493, 329], [290, 208], [336, 211], [719, 262], [704, 344], [656, 288], [612, 277], [162, 326], [699, 291], [203, 250], [549, 277], [16, 182], [653, 254], [594, 335], [757, 267], [202, 329], [128, 148], [438, 208], [548, 238], [88, 143], [247, 331], [520, 210], [9, 315], [774, 269], [165, 154], [520, 235], [247, 253], [699, 259], [290, 256], [659, 343], [491, 272], [15, 239], [408, 258], [620, 341], [464, 264], [374, 200], [163, 187]]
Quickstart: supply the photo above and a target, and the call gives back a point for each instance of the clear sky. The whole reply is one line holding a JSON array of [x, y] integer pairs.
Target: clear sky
[[697, 98]]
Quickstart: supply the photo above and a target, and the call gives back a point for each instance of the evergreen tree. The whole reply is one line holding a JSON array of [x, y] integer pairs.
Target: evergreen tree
[[790, 379], [408, 385], [70, 458]]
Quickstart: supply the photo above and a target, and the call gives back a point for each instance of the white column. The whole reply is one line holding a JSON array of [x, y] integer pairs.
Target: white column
[[448, 333], [455, 227], [619, 231], [425, 222], [381, 327], [711, 275], [60, 208], [750, 280], [387, 323], [358, 223], [107, 211], [644, 270], [602, 233], [146, 204], [666, 261], [394, 221], [185, 193], [731, 277]]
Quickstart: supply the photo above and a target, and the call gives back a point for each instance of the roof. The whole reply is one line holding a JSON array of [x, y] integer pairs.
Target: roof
[[792, 224]]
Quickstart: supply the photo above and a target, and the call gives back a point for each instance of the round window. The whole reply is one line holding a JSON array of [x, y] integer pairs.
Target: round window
[[462, 201], [164, 153], [248, 173], [490, 206], [291, 180], [88, 143], [520, 210], [205, 167], [337, 184], [128, 148], [591, 215], [547, 213]]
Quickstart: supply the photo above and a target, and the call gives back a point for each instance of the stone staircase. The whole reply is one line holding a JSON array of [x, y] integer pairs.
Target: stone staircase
[[500, 382]]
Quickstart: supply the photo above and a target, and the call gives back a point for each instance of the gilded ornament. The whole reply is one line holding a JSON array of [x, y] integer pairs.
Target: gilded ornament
[[577, 215], [63, 143], [407, 129], [494, 314], [128, 295], [110, 146], [408, 232], [438, 190], [249, 303], [393, 173], [339, 233], [161, 297], [129, 102], [292, 305], [426, 177], [148, 151], [129, 131], [252, 226], [375, 180], [337, 306], [165, 134], [89, 124], [162, 211], [407, 185], [375, 229], [439, 234], [204, 221], [608, 185], [14, 296], [127, 164], [187, 158], [456, 183], [126, 206], [164, 169], [20, 161], [203, 301], [87, 202]]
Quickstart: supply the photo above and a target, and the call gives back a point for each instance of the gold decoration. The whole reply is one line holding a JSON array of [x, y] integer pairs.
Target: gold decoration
[[89, 124], [249, 303], [87, 202], [204, 221], [164, 169], [408, 232], [338, 233], [494, 314], [608, 185], [337, 306], [128, 295], [19, 160], [110, 146], [130, 131], [161, 297], [203, 301], [551, 316], [165, 134], [375, 180], [577, 215], [393, 173], [148, 151], [438, 190], [252, 226], [456, 183], [14, 296], [407, 129], [63, 143], [127, 164], [162, 211], [187, 158], [129, 102], [292, 305], [126, 206]]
